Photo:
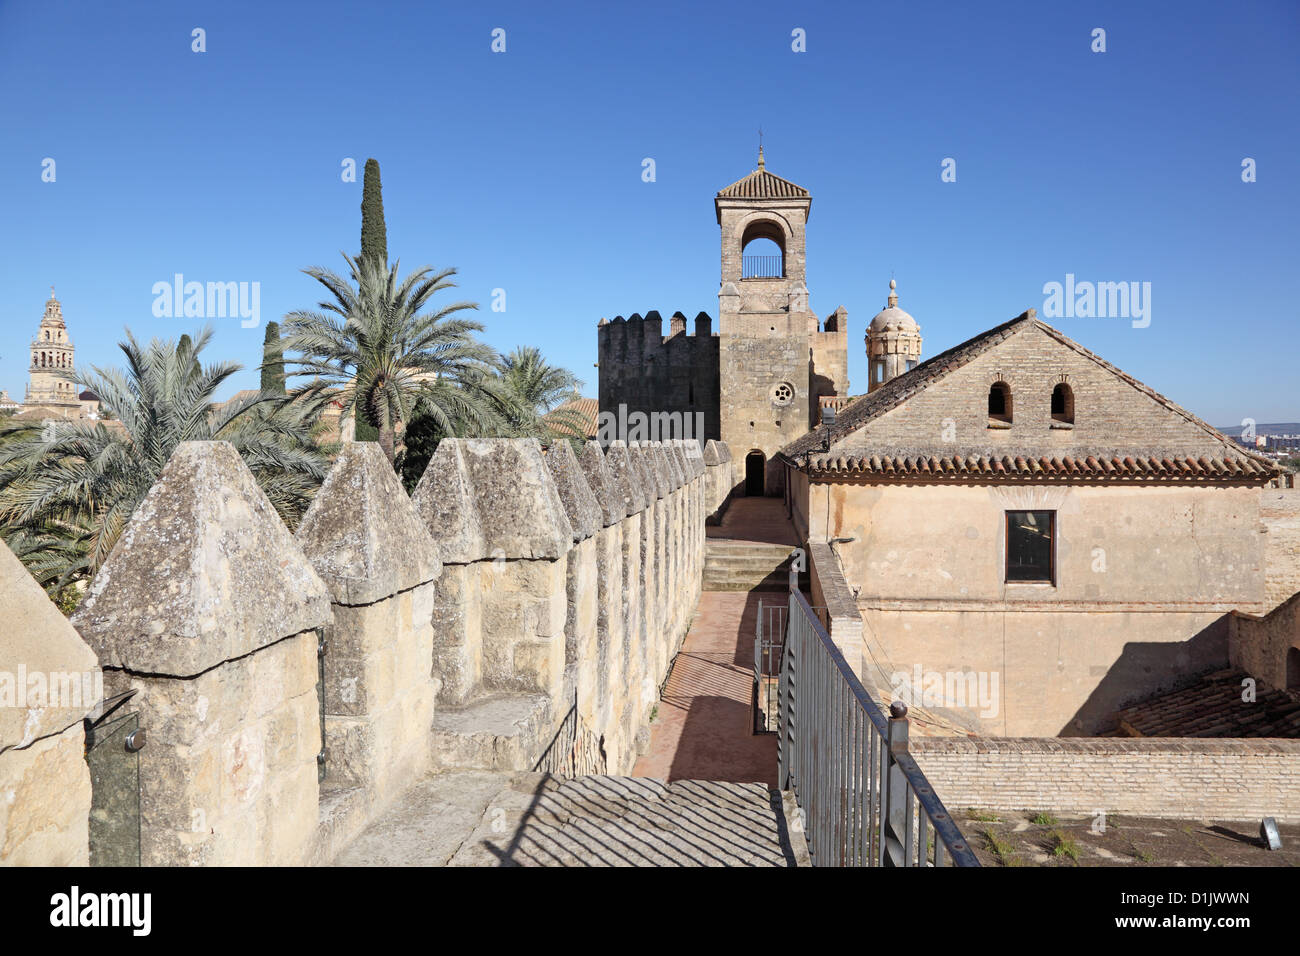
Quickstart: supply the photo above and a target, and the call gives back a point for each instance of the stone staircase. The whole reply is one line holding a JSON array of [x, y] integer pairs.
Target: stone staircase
[[733, 565]]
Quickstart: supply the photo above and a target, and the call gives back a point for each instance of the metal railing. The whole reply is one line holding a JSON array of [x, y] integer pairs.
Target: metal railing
[[769, 639], [862, 797], [762, 267]]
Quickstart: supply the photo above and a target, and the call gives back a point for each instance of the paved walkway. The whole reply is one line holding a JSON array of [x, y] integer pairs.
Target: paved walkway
[[702, 731], [485, 818], [760, 520]]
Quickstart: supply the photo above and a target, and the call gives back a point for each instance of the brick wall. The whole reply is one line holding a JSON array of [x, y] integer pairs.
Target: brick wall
[[1260, 646], [1193, 779], [1110, 413]]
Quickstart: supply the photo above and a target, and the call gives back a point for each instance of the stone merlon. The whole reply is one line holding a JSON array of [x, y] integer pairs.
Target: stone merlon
[[626, 478], [580, 503], [362, 534], [205, 572], [39, 639], [486, 498], [594, 467]]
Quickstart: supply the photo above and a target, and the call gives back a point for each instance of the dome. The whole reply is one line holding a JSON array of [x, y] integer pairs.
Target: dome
[[893, 319]]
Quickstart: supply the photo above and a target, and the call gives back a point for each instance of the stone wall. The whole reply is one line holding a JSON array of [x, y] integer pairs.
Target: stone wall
[[1193, 779], [1145, 577], [49, 681], [519, 608], [1268, 647], [647, 372], [588, 571], [1279, 511]]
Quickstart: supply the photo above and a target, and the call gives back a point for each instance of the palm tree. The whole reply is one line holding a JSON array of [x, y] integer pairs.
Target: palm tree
[[67, 491], [538, 385], [538, 391], [375, 347]]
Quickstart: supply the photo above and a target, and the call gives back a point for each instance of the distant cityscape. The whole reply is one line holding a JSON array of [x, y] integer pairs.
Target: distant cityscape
[[1281, 440]]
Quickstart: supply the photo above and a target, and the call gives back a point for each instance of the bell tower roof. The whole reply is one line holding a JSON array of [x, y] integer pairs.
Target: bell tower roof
[[762, 185]]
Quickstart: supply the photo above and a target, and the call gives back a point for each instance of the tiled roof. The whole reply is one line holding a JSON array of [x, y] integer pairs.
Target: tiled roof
[[1135, 468], [581, 414], [1212, 707], [760, 184], [1232, 463]]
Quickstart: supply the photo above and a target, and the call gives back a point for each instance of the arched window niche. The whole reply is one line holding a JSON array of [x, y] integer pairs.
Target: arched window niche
[[999, 405]]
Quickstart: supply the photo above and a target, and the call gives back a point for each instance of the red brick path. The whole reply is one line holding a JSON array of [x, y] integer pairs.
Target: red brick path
[[702, 731]]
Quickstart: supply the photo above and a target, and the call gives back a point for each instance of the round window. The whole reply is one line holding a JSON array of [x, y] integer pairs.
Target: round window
[[782, 393]]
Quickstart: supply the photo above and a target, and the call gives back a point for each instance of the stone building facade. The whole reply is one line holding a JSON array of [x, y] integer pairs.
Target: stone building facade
[[760, 381], [1017, 506]]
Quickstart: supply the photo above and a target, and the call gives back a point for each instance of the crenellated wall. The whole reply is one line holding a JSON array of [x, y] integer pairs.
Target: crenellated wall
[[648, 372], [520, 610]]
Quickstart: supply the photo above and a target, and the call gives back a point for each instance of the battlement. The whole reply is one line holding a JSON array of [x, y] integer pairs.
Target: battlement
[[644, 370], [652, 323]]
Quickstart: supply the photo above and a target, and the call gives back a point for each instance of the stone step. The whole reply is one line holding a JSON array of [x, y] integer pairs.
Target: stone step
[[747, 563], [777, 580], [731, 546], [496, 732]]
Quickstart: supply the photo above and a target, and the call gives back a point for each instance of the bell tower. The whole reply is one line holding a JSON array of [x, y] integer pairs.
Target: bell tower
[[767, 333], [52, 376]]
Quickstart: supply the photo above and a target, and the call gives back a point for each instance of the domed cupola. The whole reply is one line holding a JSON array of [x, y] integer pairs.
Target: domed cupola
[[893, 343]]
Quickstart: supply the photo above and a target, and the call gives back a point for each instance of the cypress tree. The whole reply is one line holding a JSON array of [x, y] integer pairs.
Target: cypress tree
[[374, 245], [374, 233], [273, 360]]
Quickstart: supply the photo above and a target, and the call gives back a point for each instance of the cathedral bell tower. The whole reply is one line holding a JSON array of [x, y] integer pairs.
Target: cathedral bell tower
[[52, 376]]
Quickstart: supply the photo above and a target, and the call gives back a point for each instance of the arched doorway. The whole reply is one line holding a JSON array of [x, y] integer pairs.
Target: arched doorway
[[755, 465], [1293, 670]]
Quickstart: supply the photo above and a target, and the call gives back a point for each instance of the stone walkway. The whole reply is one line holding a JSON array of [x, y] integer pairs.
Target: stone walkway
[[484, 818]]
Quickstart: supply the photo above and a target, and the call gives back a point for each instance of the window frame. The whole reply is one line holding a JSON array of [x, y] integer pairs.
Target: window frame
[[1050, 580]]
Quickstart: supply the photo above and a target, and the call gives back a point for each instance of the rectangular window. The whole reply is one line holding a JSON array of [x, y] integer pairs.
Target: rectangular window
[[1031, 546]]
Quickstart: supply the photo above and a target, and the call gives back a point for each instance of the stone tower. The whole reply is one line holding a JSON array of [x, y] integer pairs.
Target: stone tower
[[52, 381], [775, 360], [893, 343]]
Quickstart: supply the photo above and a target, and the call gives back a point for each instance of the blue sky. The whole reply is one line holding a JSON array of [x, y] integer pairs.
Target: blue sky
[[523, 169]]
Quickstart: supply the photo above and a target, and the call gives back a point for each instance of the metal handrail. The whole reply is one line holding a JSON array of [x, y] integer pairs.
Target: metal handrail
[[862, 797], [762, 267]]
